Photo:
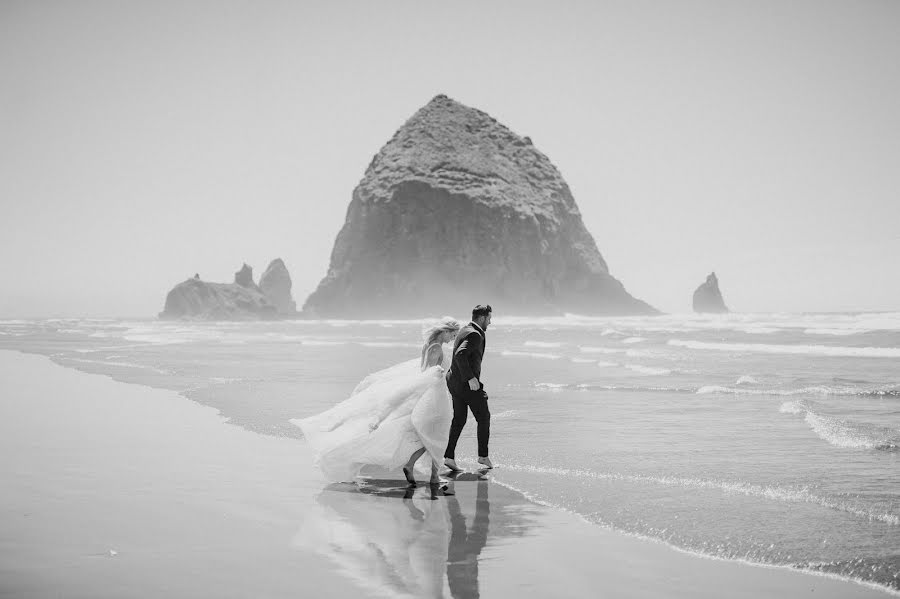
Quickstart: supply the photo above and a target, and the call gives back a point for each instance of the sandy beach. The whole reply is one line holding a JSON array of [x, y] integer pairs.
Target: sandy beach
[[118, 490]]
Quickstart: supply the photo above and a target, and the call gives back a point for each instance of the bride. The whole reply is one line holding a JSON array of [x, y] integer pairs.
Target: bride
[[392, 418]]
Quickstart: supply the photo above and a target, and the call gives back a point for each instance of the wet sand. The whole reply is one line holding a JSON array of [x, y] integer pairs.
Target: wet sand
[[117, 490]]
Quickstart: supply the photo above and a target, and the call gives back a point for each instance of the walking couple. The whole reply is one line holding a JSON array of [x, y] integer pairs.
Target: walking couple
[[396, 415]]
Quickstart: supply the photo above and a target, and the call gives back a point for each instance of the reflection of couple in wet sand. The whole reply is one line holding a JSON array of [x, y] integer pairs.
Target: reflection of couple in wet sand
[[402, 542], [396, 415]]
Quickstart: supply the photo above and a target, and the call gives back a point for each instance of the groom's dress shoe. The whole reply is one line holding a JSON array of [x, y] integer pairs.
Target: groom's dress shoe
[[486, 462], [451, 464]]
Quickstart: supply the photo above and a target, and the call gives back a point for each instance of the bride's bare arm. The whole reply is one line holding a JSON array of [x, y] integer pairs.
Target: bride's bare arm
[[377, 417], [385, 410], [434, 356]]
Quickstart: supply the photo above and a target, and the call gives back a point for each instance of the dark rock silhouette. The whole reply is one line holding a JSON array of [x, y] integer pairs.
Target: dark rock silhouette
[[708, 298], [276, 284], [456, 210], [241, 300], [244, 276]]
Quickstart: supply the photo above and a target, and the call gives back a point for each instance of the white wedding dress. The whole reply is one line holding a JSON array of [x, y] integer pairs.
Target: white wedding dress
[[390, 415]]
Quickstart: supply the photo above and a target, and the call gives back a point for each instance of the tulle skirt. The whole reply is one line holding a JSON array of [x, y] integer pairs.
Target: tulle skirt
[[418, 412]]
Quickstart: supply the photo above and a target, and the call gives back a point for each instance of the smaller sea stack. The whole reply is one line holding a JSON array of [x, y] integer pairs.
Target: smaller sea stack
[[708, 298], [241, 300]]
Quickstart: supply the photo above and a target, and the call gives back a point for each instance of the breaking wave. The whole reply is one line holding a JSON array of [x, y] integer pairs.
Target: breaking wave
[[793, 407], [387, 344], [504, 414], [648, 370], [769, 492], [886, 391], [843, 433], [552, 386], [523, 354], [587, 349], [814, 350], [853, 435], [545, 344], [837, 332], [117, 364]]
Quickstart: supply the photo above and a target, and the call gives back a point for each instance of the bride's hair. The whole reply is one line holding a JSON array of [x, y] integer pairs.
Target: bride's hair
[[432, 332]]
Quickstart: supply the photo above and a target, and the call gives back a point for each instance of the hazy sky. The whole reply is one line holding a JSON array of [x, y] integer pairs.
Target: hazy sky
[[143, 142]]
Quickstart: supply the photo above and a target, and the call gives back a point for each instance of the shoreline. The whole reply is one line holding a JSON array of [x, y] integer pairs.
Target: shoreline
[[213, 483], [696, 554]]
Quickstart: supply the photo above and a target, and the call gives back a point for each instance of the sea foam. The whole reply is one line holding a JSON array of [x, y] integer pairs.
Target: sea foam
[[886, 391], [793, 407], [815, 350], [768, 492], [551, 386], [843, 433], [523, 354], [587, 349], [837, 332], [545, 344], [853, 435], [648, 370]]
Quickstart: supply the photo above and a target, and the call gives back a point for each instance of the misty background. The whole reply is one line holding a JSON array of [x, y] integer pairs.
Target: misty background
[[143, 142]]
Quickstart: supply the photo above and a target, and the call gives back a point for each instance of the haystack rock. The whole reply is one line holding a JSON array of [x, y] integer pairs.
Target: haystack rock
[[708, 298], [457, 210], [241, 300], [275, 283]]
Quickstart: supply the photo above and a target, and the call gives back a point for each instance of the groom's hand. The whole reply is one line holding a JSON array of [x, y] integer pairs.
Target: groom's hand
[[473, 384]]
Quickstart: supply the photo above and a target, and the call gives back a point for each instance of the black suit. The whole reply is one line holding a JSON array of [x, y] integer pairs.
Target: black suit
[[468, 351]]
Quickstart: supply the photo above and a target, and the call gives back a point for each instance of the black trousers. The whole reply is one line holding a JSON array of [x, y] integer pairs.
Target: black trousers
[[477, 401]]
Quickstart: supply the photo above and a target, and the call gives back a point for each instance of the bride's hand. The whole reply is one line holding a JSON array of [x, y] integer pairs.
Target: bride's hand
[[373, 425]]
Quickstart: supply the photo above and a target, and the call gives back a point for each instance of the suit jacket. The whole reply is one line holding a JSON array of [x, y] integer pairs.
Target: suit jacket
[[468, 350]]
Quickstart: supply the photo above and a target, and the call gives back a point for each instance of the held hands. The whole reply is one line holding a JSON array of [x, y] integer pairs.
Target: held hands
[[473, 384], [373, 425]]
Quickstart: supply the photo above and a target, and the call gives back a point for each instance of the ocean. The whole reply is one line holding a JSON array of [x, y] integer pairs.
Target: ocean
[[767, 438]]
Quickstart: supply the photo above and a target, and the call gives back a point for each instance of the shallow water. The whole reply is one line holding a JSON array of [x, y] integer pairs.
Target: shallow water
[[772, 438]]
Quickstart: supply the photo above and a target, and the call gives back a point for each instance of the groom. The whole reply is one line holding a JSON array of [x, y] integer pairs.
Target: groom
[[464, 383]]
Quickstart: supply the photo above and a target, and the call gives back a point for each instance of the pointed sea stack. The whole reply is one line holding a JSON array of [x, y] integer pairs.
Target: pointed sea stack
[[276, 284], [244, 277], [708, 298], [457, 210]]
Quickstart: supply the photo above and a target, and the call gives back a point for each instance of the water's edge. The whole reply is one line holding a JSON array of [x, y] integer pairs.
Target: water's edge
[[186, 394]]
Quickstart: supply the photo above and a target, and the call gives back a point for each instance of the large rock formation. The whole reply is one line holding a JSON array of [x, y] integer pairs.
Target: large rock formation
[[241, 300], [275, 283], [708, 298], [457, 210]]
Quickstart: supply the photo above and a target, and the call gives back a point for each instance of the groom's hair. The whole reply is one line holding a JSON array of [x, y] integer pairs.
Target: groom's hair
[[480, 310]]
